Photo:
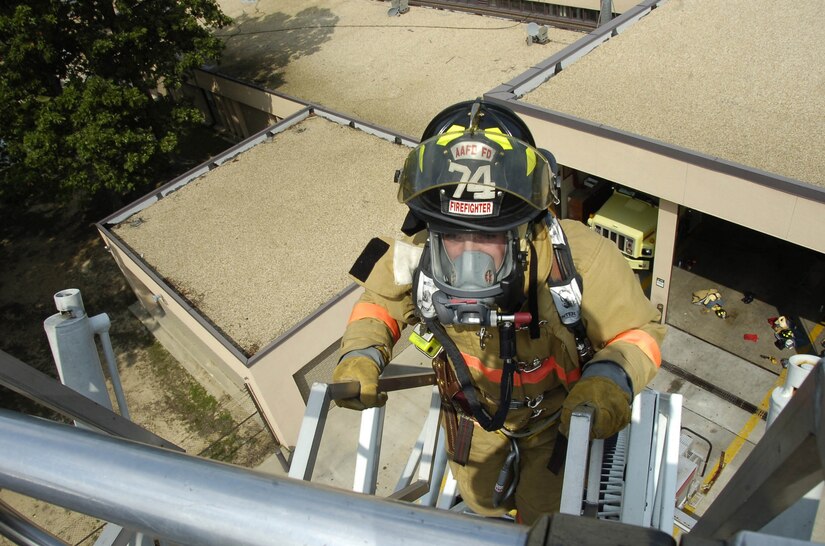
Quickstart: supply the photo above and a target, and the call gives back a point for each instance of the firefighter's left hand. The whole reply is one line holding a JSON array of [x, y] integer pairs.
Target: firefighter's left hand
[[611, 405]]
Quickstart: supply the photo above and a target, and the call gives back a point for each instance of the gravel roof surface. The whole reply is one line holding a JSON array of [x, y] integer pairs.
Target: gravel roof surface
[[396, 72], [742, 80], [257, 252]]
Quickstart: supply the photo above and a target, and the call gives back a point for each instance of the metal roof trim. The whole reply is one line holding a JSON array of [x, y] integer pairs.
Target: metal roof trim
[[369, 128], [180, 300], [198, 171], [212, 163], [536, 76]]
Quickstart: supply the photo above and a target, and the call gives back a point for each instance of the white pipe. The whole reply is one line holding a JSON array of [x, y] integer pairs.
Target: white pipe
[[72, 343], [100, 325], [190, 500], [71, 337], [799, 366]]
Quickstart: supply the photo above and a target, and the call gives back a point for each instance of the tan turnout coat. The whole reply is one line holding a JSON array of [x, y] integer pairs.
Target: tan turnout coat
[[621, 322]]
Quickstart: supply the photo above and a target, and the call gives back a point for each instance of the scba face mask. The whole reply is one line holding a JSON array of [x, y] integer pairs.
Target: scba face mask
[[470, 277], [471, 264]]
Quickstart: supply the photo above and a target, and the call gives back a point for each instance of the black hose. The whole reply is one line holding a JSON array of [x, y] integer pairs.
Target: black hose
[[466, 382], [511, 466]]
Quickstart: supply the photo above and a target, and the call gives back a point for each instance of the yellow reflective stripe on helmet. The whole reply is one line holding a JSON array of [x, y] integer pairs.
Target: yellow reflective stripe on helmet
[[495, 134], [451, 134], [531, 159], [421, 157]]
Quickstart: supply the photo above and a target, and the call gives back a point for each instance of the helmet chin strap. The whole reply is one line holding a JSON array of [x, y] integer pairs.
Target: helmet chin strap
[[475, 116]]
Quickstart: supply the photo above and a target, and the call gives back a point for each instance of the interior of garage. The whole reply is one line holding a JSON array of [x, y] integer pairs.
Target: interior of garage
[[757, 277]]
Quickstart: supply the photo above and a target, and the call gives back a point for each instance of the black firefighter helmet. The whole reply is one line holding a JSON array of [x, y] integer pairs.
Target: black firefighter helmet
[[477, 167], [477, 171]]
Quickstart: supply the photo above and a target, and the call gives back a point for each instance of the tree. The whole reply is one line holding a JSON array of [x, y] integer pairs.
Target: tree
[[84, 102]]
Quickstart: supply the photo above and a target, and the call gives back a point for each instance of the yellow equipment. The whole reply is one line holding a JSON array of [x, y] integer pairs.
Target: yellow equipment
[[631, 224]]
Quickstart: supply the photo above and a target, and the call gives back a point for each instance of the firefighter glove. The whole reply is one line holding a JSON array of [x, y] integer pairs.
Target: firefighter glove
[[610, 402], [365, 371]]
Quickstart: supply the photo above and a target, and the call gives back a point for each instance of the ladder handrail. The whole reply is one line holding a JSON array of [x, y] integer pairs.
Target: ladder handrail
[[145, 488], [35, 385]]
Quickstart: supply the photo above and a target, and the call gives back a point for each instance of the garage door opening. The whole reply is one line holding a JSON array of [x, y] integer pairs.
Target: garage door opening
[[758, 278]]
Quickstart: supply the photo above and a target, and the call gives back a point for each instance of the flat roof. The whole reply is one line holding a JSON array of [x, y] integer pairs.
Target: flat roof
[[267, 238], [739, 81], [396, 72]]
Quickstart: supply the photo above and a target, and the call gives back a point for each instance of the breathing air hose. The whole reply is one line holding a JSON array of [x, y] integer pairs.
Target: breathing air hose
[[465, 381]]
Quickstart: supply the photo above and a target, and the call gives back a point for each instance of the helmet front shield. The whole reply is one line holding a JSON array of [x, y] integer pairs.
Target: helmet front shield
[[476, 176]]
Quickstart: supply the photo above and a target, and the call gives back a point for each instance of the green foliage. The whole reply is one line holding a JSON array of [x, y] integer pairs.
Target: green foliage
[[188, 398], [84, 91]]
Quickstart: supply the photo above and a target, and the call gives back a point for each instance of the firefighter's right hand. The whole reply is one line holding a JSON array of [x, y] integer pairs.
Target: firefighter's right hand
[[365, 371]]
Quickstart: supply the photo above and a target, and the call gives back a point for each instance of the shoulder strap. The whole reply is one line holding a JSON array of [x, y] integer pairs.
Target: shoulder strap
[[567, 290]]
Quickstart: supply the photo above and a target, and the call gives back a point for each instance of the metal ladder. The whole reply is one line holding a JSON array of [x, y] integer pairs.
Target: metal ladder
[[427, 455], [646, 452], [630, 478]]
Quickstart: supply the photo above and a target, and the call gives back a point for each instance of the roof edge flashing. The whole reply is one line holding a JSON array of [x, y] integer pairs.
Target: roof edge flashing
[[198, 171], [168, 290], [247, 358], [369, 128], [527, 81]]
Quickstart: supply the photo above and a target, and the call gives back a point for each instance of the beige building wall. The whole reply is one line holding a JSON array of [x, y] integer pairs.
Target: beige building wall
[[240, 108]]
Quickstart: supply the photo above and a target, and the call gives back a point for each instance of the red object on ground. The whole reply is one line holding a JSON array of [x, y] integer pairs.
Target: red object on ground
[[751, 337]]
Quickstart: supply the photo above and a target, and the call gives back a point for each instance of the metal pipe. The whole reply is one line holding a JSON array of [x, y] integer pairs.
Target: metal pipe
[[190, 500], [100, 325], [73, 347], [605, 12], [20, 530]]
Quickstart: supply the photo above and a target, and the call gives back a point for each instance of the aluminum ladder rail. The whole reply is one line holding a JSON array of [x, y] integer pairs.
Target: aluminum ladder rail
[[635, 481], [191, 500], [428, 454]]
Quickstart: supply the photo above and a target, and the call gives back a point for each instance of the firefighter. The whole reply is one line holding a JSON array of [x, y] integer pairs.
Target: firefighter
[[531, 317]]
